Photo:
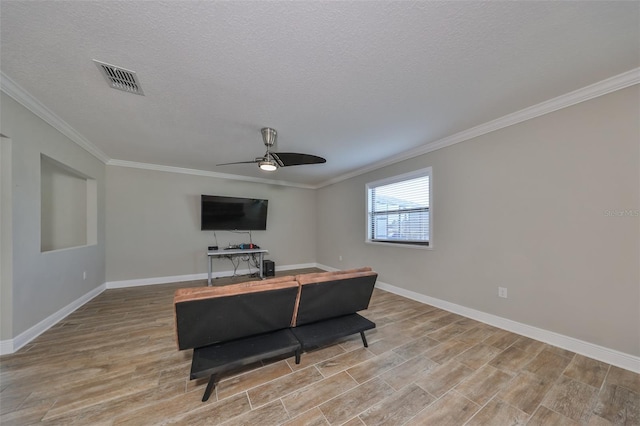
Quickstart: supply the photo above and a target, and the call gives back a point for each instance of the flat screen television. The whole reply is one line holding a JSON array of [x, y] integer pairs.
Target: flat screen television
[[232, 213]]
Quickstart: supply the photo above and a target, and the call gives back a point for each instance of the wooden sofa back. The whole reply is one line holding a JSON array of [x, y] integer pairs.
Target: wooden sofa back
[[208, 315]]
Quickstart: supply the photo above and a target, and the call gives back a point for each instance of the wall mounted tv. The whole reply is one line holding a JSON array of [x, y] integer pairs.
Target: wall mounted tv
[[232, 213]]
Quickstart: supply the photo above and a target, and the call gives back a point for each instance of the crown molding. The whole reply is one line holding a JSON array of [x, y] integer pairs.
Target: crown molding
[[595, 90], [11, 88], [25, 99], [206, 173]]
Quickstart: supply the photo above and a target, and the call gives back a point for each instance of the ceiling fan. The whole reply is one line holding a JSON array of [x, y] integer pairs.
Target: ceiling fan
[[270, 161]]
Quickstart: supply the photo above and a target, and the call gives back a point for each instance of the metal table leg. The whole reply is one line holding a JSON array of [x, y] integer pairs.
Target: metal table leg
[[261, 257]]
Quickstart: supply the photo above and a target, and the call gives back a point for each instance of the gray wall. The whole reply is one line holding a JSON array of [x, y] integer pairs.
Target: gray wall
[[63, 207], [6, 241], [525, 208], [153, 223], [44, 283]]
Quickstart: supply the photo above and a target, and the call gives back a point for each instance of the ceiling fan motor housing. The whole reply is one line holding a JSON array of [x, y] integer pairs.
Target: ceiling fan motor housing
[[269, 136]]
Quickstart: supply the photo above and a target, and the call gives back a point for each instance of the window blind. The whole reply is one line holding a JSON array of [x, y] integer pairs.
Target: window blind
[[399, 211]]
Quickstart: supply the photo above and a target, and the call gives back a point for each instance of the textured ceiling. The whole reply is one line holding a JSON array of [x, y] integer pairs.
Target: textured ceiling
[[354, 82]]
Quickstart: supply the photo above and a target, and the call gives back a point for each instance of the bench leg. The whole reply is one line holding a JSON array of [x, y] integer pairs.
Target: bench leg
[[298, 356], [210, 386], [364, 339]]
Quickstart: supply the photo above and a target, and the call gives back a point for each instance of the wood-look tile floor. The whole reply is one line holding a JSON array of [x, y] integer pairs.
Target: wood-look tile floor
[[114, 361]]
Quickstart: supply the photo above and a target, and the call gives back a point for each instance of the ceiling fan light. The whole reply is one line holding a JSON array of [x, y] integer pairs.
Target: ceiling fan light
[[267, 166]]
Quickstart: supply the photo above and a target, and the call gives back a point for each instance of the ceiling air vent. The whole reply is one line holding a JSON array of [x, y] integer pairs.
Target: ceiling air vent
[[120, 78]]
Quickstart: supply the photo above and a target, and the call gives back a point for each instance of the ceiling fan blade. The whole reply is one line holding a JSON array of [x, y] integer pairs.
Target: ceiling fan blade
[[238, 162], [285, 159]]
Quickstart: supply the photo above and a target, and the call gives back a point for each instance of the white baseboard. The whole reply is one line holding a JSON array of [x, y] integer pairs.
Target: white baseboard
[[6, 347], [12, 345], [195, 277], [591, 350], [298, 266], [160, 280], [610, 356], [327, 268]]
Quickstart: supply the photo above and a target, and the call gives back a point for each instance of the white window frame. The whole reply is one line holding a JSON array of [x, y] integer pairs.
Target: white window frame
[[427, 171]]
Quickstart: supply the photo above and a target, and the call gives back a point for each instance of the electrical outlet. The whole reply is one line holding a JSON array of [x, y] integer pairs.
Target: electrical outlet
[[340, 258], [84, 275], [502, 292]]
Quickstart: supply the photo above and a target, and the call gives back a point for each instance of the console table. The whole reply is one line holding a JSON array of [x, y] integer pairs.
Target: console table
[[235, 253]]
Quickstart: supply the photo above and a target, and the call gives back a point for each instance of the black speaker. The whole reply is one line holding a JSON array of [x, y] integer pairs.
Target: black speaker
[[268, 268]]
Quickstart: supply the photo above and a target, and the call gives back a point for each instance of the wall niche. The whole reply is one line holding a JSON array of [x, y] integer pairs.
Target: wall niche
[[68, 207]]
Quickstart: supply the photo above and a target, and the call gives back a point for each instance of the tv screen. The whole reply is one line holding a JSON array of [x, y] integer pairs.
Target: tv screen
[[232, 213]]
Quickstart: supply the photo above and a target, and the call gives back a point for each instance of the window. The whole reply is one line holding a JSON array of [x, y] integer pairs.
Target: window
[[399, 209]]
